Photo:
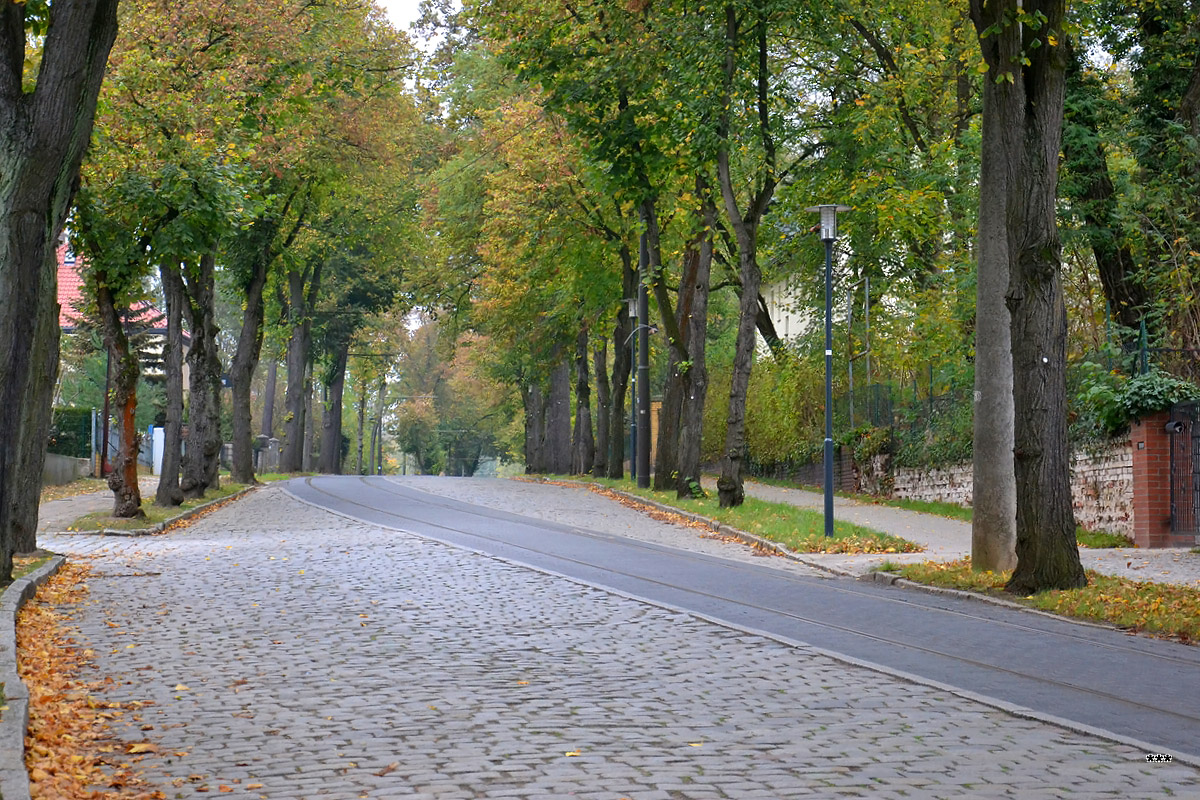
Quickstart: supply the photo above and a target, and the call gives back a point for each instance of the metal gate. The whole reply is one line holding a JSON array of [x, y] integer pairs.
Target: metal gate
[[1185, 468]]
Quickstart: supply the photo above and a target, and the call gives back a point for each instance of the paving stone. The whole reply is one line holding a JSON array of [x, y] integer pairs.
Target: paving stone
[[319, 652]]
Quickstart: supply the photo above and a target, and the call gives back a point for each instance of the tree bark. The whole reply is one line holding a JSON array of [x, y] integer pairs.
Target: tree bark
[[123, 480], [534, 402], [558, 416], [1027, 116], [298, 355], [306, 459], [168, 493], [245, 360], [622, 364], [603, 408], [331, 427], [272, 383], [362, 419], [694, 319], [202, 457], [994, 519], [583, 441], [33, 452], [43, 135], [745, 226]]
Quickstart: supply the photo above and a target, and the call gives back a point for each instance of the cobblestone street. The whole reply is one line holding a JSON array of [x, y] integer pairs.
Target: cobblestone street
[[285, 652]]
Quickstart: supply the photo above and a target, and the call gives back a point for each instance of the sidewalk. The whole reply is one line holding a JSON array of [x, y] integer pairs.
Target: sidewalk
[[949, 539]]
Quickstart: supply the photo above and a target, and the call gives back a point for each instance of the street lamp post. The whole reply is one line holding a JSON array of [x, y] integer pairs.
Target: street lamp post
[[643, 369], [828, 214], [633, 418]]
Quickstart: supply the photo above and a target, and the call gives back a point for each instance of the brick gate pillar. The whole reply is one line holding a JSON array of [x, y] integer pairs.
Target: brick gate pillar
[[1151, 481]]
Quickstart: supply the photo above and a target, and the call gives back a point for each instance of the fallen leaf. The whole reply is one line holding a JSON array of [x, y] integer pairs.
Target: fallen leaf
[[392, 767]]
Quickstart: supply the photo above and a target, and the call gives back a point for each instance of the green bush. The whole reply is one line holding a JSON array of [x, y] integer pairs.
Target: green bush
[[71, 433], [1112, 400]]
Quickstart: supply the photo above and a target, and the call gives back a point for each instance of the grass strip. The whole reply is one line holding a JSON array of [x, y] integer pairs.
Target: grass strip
[[1157, 608], [155, 514], [940, 508], [798, 529]]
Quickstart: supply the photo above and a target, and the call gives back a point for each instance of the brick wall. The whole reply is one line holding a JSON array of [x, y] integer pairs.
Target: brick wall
[[1101, 487]]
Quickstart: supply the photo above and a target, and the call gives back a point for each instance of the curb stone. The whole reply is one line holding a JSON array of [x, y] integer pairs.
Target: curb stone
[[154, 530], [876, 576], [14, 779]]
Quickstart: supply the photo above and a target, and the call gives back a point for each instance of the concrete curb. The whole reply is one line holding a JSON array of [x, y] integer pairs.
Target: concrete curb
[[154, 530], [751, 539], [887, 578], [14, 779]]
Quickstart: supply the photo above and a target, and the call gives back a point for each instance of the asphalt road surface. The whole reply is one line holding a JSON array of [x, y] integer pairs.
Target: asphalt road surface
[[1138, 689]]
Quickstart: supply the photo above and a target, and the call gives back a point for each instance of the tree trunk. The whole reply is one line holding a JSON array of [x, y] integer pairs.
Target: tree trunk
[[583, 442], [694, 318], [534, 403], [310, 430], [169, 494], [43, 135], [745, 225], [994, 521], [603, 408], [377, 433], [33, 451], [362, 418], [1028, 117], [331, 427], [268, 417], [245, 361], [201, 459], [622, 364], [558, 416], [299, 347], [123, 480]]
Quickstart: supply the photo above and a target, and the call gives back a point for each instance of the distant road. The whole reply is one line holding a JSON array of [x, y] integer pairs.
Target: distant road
[[1136, 688]]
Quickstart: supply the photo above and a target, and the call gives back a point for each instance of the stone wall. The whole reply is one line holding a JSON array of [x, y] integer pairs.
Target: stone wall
[[1101, 486]]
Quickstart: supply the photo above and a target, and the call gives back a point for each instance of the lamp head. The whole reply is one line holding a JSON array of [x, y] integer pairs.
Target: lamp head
[[828, 214]]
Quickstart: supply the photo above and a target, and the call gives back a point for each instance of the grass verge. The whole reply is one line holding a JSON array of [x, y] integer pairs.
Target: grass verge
[[800, 530], [1156, 608], [155, 514], [1085, 538]]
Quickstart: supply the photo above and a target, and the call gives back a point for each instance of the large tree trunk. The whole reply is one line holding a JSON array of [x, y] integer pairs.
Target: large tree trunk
[[331, 427], [745, 226], [994, 521], [603, 408], [310, 430], [245, 361], [169, 494], [268, 415], [1032, 107], [202, 457], [123, 480], [298, 354], [43, 135], [622, 363], [583, 442], [534, 402], [33, 451], [694, 319], [558, 416]]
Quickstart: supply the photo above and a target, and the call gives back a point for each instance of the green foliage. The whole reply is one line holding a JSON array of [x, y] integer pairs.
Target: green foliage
[[1111, 400], [71, 433]]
